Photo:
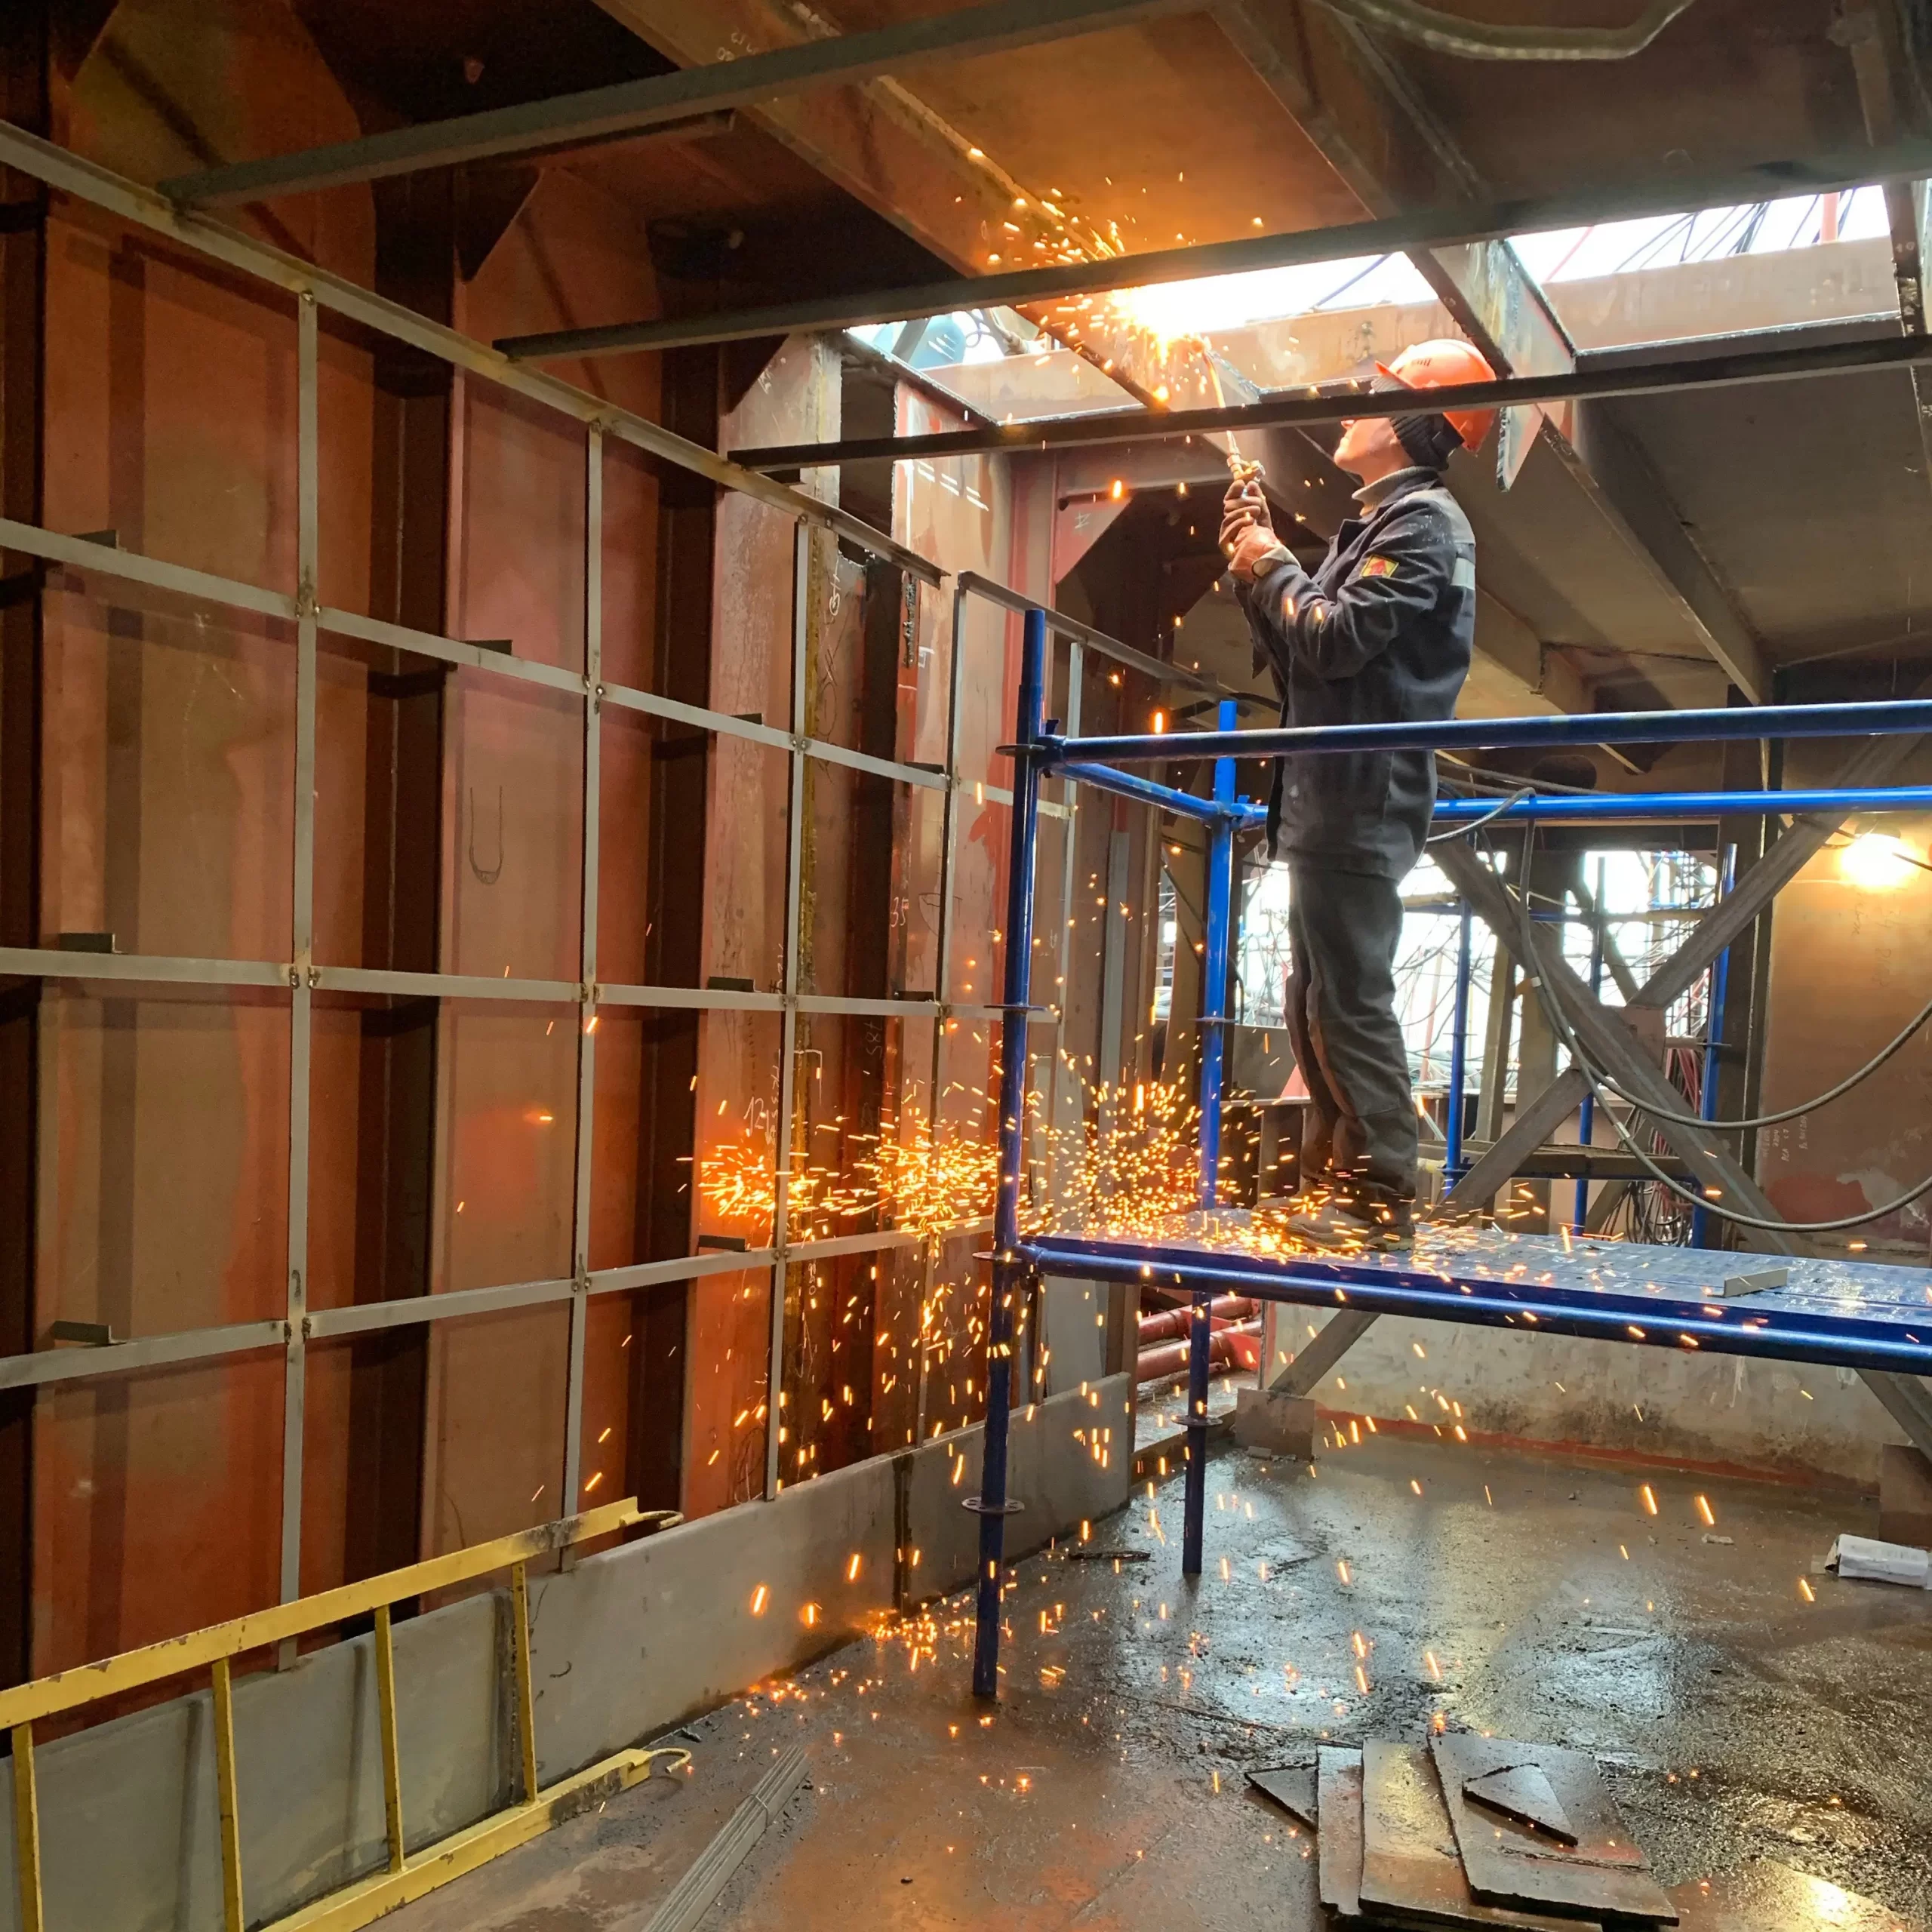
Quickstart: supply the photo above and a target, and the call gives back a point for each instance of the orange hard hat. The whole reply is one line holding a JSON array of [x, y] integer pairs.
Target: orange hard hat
[[1443, 364]]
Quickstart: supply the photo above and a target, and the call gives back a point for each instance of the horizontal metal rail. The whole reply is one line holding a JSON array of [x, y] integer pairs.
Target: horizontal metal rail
[[631, 107], [79, 553], [1601, 727], [1144, 791], [1664, 192], [82, 1362], [1305, 407], [1784, 1335], [1597, 806], [1591, 807]]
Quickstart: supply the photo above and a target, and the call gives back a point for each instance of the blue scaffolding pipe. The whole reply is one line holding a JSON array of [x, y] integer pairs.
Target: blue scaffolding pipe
[[1789, 1335], [1218, 923], [1011, 1269], [1588, 806], [1707, 1105], [1587, 1110], [1600, 728], [1459, 1050], [1125, 784], [1591, 807]]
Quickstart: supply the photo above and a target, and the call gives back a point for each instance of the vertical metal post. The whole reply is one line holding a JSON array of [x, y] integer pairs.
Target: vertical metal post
[[1217, 922], [526, 1694], [1217, 918], [301, 967], [1707, 1105], [942, 977], [232, 1917], [788, 1047], [386, 1724], [1459, 1052], [1587, 1110], [587, 1031], [26, 1831], [1009, 1271], [1075, 673]]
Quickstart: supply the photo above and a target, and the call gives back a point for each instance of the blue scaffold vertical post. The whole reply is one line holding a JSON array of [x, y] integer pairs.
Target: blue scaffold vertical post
[[1009, 1270], [1586, 1112], [1459, 1053], [1707, 1105], [1218, 923]]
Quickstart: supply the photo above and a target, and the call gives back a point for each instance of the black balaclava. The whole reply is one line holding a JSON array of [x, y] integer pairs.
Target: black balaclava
[[1426, 437]]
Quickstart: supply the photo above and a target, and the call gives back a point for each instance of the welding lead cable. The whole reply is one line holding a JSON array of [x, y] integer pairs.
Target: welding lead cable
[[1488, 818], [1777, 1119], [1896, 1045], [1560, 1022]]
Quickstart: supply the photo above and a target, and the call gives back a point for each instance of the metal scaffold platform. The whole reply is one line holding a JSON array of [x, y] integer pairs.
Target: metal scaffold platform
[[1871, 1318]]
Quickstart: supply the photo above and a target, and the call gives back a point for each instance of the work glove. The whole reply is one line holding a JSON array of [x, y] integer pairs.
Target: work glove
[[1242, 507], [1255, 551]]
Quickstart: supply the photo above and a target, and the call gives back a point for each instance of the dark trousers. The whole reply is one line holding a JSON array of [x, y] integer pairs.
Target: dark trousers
[[1343, 929]]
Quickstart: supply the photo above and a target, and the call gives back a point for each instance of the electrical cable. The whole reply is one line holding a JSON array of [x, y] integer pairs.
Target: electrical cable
[[1560, 1022], [1488, 818], [1778, 1119]]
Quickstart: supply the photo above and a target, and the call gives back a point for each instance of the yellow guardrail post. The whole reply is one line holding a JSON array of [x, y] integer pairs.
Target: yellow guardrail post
[[26, 1831], [392, 1756], [225, 1791], [526, 1696]]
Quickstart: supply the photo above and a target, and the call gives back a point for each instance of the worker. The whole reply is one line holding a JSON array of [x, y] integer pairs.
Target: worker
[[1379, 633]]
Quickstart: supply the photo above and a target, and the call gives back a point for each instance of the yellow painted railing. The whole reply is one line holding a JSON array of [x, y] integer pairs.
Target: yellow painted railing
[[215, 1648]]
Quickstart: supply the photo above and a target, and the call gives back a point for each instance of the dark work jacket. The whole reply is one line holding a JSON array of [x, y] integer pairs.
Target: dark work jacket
[[1381, 633]]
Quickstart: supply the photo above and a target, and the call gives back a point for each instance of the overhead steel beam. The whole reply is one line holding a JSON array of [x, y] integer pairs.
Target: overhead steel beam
[[1617, 473], [1382, 137], [1869, 34], [631, 107], [1296, 408], [1907, 159]]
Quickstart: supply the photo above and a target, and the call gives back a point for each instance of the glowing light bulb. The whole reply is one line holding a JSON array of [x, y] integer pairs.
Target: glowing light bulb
[[1877, 861]]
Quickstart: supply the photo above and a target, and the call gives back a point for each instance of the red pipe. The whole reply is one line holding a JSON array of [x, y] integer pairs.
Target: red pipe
[[1228, 1347], [1173, 1324]]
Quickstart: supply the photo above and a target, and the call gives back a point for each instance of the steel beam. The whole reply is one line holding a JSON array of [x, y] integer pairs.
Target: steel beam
[[1593, 376], [1617, 474], [1890, 717], [1339, 1334], [1907, 159], [631, 107], [1395, 140]]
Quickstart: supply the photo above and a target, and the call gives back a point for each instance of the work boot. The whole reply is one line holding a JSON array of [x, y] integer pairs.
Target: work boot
[[1360, 1219]]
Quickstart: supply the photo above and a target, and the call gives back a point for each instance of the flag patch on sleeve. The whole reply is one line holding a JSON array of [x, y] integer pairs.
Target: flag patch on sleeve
[[1378, 567]]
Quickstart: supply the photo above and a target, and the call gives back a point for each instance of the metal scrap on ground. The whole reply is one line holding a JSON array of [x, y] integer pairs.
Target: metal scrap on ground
[[1293, 1787], [1605, 1871], [1522, 1792], [1410, 1868], [1469, 1831]]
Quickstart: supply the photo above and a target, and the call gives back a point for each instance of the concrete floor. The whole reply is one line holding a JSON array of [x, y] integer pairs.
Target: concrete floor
[[1747, 1728]]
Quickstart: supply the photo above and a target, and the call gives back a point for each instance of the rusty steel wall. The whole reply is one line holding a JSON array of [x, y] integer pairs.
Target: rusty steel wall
[[293, 1113]]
